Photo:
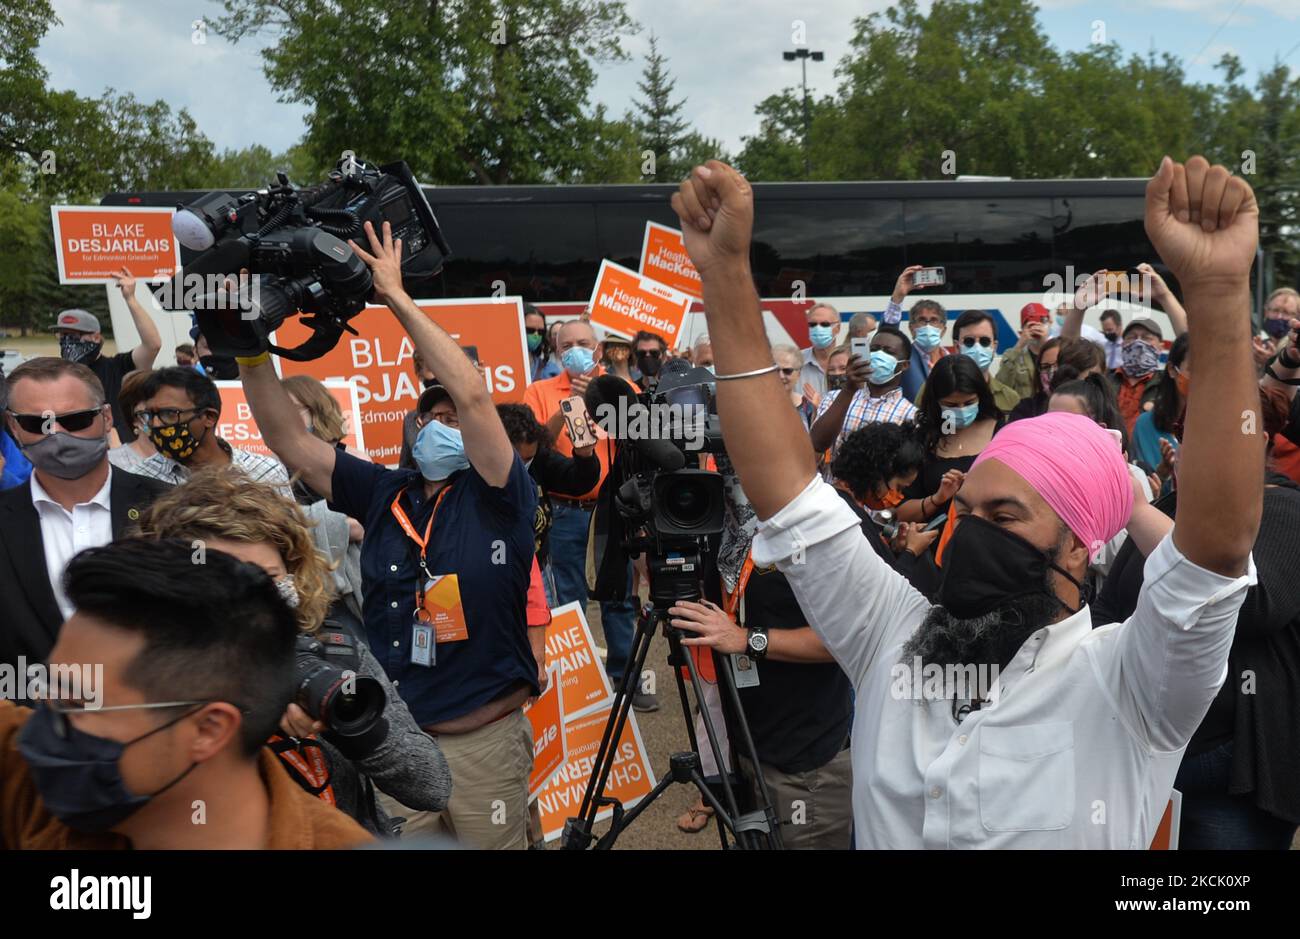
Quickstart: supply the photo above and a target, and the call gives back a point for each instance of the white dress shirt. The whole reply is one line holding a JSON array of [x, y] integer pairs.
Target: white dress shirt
[[262, 469], [1082, 745], [64, 533]]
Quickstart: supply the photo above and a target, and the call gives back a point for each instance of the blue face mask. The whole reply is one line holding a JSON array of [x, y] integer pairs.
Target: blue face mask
[[927, 338], [439, 451], [983, 355], [821, 336], [958, 418], [883, 367], [578, 360]]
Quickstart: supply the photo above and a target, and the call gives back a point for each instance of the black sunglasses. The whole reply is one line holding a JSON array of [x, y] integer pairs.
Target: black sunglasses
[[969, 341], [536, 332], [72, 421], [652, 353]]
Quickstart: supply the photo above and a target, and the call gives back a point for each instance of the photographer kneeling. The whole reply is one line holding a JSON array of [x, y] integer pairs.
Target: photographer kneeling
[[251, 521]]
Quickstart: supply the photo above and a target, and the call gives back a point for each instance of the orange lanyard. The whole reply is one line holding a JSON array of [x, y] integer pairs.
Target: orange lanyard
[[400, 515], [732, 600]]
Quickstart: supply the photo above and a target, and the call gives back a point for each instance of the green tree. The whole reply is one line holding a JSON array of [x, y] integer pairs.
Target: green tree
[[660, 127], [474, 92]]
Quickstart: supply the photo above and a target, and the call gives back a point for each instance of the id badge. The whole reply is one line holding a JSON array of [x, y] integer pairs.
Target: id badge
[[443, 610], [744, 670], [424, 650]]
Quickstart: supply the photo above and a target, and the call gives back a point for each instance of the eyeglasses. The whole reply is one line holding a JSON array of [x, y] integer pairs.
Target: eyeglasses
[[61, 711], [72, 421], [650, 353], [535, 332], [969, 341], [165, 416]]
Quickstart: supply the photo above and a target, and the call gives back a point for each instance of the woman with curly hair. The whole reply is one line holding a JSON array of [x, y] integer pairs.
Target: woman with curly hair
[[228, 512]]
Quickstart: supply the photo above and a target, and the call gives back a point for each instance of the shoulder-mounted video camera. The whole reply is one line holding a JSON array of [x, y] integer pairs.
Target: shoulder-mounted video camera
[[293, 242]]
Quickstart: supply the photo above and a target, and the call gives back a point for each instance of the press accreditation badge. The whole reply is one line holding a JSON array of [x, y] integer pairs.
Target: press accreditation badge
[[744, 670], [423, 648], [443, 610]]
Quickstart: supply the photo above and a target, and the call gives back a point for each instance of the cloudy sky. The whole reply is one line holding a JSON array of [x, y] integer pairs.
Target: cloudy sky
[[725, 55]]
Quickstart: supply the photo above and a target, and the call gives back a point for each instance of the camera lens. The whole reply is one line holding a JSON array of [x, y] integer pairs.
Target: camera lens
[[687, 503]]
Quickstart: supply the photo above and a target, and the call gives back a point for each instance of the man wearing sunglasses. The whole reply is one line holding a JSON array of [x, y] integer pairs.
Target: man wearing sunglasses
[[197, 668], [73, 500], [180, 413], [975, 334], [651, 353]]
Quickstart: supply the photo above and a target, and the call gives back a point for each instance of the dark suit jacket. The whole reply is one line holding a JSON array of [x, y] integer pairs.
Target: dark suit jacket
[[29, 616]]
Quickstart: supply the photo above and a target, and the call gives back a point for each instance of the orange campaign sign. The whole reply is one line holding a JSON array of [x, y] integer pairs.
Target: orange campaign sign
[[625, 302], [94, 242], [664, 258], [630, 779], [379, 360], [546, 714], [571, 651], [239, 429]]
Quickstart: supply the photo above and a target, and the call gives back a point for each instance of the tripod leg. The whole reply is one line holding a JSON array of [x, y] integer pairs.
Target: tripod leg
[[747, 741]]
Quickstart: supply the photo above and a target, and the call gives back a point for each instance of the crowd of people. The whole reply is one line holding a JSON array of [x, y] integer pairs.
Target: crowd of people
[[1095, 518]]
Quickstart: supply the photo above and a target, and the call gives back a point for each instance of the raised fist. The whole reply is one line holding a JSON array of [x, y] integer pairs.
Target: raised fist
[[716, 207], [1203, 221]]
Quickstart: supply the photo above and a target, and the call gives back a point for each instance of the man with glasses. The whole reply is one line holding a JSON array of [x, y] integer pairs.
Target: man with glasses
[[975, 334], [73, 500], [197, 666], [926, 321], [180, 413], [650, 351]]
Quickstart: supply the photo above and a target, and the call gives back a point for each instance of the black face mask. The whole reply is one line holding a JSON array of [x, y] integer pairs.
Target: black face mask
[[986, 567], [1112, 337], [429, 382], [78, 777], [648, 364]]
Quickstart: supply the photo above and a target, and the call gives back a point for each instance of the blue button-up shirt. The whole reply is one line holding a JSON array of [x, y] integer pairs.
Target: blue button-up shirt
[[484, 535]]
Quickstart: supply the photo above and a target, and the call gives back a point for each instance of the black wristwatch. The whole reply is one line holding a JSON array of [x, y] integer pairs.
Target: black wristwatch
[[756, 643]]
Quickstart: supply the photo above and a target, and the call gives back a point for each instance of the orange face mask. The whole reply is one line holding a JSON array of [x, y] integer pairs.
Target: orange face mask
[[890, 499]]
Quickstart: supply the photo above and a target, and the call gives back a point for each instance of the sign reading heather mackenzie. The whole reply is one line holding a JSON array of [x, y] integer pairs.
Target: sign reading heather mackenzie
[[625, 302], [664, 258]]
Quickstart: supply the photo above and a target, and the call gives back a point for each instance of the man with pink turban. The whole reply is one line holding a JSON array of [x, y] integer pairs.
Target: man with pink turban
[[993, 715]]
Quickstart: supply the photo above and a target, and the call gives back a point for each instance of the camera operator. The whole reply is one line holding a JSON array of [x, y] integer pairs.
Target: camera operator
[[181, 408], [253, 523], [467, 511], [194, 681]]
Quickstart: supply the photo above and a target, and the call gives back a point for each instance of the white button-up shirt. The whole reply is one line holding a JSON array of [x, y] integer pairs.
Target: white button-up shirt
[[1083, 740], [64, 533]]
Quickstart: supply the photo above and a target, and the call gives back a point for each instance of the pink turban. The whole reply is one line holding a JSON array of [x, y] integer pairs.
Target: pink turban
[[1076, 466]]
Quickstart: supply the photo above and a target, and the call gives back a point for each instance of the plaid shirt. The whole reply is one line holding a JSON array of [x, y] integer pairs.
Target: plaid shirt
[[263, 469], [891, 407]]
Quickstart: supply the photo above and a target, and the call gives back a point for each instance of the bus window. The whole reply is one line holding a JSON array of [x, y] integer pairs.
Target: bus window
[[620, 226], [1102, 231], [838, 247], [985, 245], [540, 251]]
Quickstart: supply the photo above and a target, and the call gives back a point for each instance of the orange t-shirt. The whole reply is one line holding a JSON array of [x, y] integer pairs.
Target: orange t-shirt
[[544, 398], [1286, 457]]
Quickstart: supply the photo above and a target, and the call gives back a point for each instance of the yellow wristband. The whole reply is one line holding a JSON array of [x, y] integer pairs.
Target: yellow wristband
[[254, 361]]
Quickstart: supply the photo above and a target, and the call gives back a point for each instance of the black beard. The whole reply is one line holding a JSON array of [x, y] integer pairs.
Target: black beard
[[991, 639]]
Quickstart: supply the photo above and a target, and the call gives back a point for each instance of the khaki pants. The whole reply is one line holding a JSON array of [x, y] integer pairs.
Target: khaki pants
[[815, 807], [488, 809]]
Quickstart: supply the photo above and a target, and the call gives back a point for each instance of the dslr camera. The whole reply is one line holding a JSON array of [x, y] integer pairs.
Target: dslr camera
[[294, 243], [351, 706]]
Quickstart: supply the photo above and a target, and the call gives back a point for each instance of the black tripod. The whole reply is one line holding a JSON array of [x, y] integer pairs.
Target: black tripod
[[758, 829]]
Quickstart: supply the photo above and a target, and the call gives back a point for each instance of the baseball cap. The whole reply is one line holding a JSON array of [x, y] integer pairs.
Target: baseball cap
[[432, 396], [1033, 313], [1147, 324], [79, 320]]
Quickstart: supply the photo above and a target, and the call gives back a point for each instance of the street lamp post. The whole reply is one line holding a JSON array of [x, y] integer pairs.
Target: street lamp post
[[803, 55]]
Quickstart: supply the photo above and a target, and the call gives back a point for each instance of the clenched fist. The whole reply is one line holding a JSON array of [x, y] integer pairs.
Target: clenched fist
[[1203, 221], [716, 207]]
